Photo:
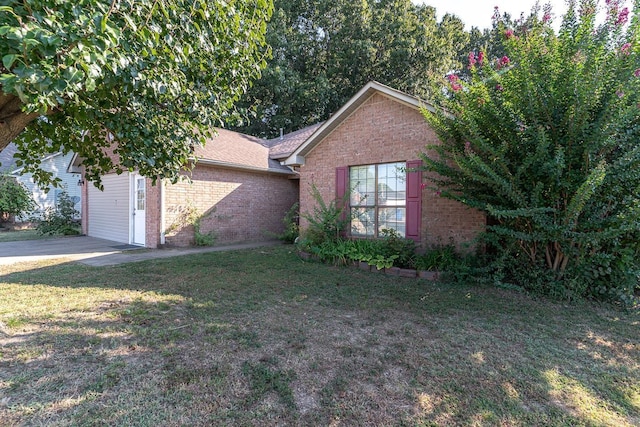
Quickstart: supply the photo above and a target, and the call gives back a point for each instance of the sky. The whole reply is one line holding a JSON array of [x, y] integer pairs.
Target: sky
[[477, 13]]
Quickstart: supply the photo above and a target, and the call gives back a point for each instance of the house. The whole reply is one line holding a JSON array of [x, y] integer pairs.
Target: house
[[242, 186], [45, 197], [368, 153], [235, 191]]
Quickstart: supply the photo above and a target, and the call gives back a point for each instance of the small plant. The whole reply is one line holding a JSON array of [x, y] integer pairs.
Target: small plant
[[203, 239], [393, 243], [327, 222], [60, 220], [291, 227], [189, 215], [439, 258]]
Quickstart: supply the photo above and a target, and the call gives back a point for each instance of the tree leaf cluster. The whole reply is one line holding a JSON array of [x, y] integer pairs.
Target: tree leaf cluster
[[545, 142], [324, 52], [142, 79]]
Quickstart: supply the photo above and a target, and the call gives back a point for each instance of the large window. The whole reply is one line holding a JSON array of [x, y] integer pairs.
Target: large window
[[378, 199]]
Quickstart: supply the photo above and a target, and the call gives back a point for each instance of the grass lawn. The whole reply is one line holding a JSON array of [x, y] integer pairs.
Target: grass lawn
[[262, 338], [14, 236]]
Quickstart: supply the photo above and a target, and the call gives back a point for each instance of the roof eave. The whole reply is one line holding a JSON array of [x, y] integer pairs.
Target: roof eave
[[297, 158], [229, 165]]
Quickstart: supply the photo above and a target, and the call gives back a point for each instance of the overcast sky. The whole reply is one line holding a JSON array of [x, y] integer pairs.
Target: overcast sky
[[477, 13]]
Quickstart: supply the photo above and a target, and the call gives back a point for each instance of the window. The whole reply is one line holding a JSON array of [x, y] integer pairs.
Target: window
[[378, 199]]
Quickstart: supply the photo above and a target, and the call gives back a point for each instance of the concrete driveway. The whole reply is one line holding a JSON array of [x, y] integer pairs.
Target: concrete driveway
[[98, 252], [73, 248]]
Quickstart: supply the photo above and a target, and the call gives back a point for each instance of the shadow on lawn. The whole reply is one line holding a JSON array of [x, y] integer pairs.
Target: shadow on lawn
[[260, 338]]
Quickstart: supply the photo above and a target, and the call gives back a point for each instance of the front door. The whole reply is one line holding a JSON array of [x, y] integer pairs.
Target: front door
[[139, 203]]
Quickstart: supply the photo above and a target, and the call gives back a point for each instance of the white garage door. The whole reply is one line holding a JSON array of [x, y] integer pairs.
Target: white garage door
[[109, 209]]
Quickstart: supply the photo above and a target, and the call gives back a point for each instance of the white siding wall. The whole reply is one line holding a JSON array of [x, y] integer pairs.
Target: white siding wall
[[109, 209], [57, 164]]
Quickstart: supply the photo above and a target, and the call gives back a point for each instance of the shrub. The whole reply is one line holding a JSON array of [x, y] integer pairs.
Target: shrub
[[327, 222], [61, 219], [15, 199], [544, 141], [291, 227]]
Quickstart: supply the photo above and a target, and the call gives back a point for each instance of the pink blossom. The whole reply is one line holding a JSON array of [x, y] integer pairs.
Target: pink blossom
[[454, 81], [625, 49], [503, 62], [499, 87], [546, 17], [423, 186], [467, 146], [623, 17], [472, 60], [508, 34], [636, 73], [620, 93], [438, 193], [480, 58]]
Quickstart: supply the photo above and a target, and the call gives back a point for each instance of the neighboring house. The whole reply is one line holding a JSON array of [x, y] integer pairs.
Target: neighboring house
[[368, 153], [235, 191], [7, 162], [46, 197]]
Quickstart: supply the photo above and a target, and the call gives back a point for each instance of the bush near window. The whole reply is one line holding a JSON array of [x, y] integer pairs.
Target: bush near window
[[60, 220]]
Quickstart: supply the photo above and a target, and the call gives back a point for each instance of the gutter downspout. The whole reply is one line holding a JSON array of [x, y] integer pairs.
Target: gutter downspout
[[162, 206]]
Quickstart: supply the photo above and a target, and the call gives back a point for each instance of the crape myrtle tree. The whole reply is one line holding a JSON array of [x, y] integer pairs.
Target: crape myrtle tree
[[153, 76], [546, 141]]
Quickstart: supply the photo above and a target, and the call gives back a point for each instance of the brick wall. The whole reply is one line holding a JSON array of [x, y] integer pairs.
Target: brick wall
[[237, 205], [381, 131]]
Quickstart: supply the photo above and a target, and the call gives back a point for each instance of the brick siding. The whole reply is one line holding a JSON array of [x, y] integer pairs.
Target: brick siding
[[383, 130], [236, 205]]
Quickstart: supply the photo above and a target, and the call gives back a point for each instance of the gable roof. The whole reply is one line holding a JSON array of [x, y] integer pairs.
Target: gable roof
[[282, 147], [233, 149], [227, 149], [297, 156]]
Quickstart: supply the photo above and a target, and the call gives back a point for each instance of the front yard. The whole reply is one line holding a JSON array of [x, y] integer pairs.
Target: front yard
[[260, 337]]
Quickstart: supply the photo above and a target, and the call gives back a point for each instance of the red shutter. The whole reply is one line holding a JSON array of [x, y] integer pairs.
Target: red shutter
[[342, 180], [414, 200]]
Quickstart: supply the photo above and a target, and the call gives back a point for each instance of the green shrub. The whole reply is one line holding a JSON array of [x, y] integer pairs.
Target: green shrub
[[15, 199], [291, 227], [327, 222], [439, 258], [60, 220]]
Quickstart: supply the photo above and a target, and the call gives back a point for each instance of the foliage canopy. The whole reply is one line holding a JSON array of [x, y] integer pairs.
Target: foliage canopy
[[545, 141], [155, 76], [325, 51]]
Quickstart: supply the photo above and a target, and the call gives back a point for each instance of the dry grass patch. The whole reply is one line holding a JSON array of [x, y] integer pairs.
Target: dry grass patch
[[261, 338]]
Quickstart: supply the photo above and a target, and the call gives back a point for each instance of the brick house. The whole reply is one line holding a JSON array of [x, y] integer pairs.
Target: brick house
[[371, 147], [242, 186], [237, 191]]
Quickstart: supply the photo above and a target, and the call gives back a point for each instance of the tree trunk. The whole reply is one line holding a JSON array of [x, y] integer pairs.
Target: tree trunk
[[12, 119]]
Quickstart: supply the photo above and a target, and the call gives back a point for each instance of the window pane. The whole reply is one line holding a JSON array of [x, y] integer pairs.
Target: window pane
[[391, 184], [392, 218], [362, 183], [363, 221], [140, 194]]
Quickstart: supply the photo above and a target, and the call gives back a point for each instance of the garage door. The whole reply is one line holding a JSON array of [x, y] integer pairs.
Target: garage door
[[109, 209]]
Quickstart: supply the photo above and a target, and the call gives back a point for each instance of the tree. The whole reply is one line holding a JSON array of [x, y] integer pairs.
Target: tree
[[153, 76], [544, 140], [15, 199], [324, 52]]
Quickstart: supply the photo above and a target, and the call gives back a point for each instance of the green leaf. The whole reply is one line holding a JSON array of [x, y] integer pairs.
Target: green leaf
[[8, 60]]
